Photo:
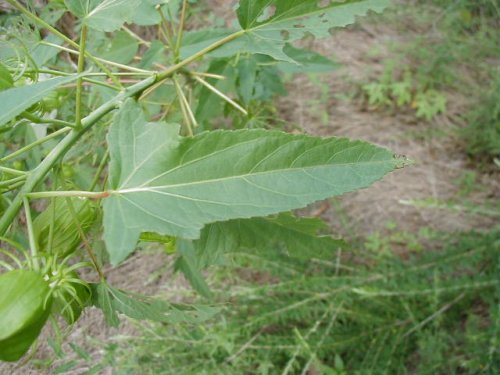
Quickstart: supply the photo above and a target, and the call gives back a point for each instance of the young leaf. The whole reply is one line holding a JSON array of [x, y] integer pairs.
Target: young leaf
[[161, 182], [282, 21], [107, 15], [15, 100]]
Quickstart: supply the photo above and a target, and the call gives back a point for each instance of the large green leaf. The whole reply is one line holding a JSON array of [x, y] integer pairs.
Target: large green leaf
[[107, 15], [15, 100], [161, 182], [24, 309], [272, 23]]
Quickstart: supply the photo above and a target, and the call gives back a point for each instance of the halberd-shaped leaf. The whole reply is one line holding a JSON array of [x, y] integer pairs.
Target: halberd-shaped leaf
[[161, 182], [272, 23]]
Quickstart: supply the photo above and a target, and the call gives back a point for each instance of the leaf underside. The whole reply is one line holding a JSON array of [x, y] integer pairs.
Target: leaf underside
[[296, 237], [168, 184], [270, 24]]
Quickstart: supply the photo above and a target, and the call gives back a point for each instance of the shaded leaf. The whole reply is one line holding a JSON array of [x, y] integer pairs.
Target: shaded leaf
[[272, 23], [308, 61], [161, 182], [15, 100], [122, 49], [6, 80], [25, 304], [188, 265], [107, 15], [113, 301], [292, 236], [65, 232]]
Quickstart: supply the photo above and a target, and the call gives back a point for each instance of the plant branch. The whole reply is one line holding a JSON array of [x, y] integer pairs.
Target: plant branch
[[189, 118], [79, 81], [31, 234], [68, 194], [40, 120], [180, 31], [39, 173], [169, 71], [56, 32], [13, 171], [34, 144], [108, 62], [220, 94], [85, 240]]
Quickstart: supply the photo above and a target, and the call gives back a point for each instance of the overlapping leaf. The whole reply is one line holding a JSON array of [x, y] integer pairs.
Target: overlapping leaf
[[272, 23], [103, 15], [295, 237], [161, 182], [15, 100]]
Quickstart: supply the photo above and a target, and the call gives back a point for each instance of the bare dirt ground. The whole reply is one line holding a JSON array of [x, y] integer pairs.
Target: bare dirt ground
[[439, 162]]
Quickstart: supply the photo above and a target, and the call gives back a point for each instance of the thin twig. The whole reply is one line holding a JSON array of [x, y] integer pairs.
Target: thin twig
[[79, 81], [221, 94]]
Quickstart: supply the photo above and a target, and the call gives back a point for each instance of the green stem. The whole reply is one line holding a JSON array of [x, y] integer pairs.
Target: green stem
[[39, 173], [31, 235], [93, 74], [111, 63], [68, 194], [135, 36], [40, 120], [84, 239], [99, 170], [180, 31], [12, 187], [56, 32], [169, 71], [166, 30], [189, 118], [79, 81], [34, 144], [9, 183], [85, 79], [13, 171]]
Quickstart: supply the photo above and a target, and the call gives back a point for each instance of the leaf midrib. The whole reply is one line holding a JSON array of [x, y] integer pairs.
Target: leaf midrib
[[192, 183]]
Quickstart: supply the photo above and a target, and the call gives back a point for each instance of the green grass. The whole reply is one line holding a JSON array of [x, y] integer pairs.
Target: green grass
[[455, 53], [434, 312]]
